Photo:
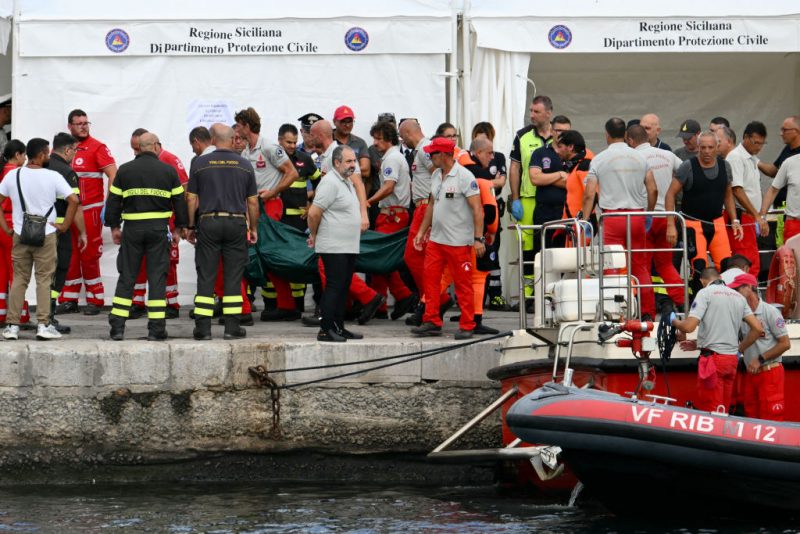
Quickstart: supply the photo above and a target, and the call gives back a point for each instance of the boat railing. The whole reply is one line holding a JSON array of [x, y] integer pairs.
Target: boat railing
[[773, 214], [631, 282], [522, 230], [582, 232], [572, 328]]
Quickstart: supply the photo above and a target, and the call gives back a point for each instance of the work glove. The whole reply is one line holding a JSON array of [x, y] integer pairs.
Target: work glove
[[672, 317], [516, 209], [648, 223]]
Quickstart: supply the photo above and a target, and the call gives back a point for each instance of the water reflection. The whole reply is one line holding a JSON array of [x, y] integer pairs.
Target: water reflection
[[262, 508]]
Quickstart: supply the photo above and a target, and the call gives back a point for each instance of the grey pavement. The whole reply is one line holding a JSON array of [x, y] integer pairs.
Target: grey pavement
[[96, 328]]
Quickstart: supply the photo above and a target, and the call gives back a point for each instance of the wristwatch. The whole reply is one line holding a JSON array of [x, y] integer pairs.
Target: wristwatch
[[480, 239]]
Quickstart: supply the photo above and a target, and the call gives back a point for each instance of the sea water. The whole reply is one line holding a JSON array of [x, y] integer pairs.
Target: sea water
[[316, 509]]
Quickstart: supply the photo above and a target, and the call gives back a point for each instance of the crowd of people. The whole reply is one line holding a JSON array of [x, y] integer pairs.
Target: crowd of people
[[324, 180]]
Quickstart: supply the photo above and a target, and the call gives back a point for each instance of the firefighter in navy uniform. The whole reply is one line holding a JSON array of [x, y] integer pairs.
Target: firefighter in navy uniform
[[145, 193], [223, 201], [64, 148], [295, 197]]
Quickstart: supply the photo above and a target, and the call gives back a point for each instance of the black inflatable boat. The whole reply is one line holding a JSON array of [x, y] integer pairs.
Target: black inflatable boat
[[633, 454]]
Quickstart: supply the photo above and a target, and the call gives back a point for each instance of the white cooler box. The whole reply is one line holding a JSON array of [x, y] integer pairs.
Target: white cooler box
[[563, 298]]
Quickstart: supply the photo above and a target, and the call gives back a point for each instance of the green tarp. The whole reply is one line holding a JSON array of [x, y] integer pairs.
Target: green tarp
[[283, 250]]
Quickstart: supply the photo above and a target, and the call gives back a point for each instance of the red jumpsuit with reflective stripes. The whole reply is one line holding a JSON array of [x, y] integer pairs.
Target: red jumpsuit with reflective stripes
[[84, 268], [140, 285]]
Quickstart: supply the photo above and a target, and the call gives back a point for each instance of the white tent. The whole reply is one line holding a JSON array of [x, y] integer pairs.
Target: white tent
[[169, 66], [624, 58], [177, 63]]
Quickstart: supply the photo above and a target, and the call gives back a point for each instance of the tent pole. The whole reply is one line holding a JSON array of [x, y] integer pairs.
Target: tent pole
[[466, 95], [452, 108]]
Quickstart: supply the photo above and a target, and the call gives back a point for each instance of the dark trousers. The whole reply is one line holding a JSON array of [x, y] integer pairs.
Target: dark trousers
[[553, 238], [63, 257], [142, 240], [339, 270], [224, 237]]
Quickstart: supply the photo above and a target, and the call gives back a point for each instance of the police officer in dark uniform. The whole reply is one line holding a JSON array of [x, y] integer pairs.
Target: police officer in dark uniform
[[306, 122], [223, 199], [295, 198], [64, 148], [145, 193]]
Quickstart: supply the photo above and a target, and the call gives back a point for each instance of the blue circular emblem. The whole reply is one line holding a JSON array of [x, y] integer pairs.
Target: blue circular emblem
[[559, 36], [117, 40], [356, 39]]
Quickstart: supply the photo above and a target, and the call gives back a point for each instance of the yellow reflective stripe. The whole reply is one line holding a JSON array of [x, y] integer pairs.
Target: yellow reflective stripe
[[299, 184], [297, 285], [156, 315], [121, 313], [177, 190], [54, 294], [59, 220], [203, 311], [298, 293], [295, 211], [76, 190], [157, 303], [232, 311], [121, 301], [232, 298], [316, 174], [203, 300], [116, 190], [146, 215], [147, 192]]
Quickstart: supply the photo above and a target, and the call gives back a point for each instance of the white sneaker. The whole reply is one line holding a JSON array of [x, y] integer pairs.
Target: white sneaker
[[44, 333], [11, 332]]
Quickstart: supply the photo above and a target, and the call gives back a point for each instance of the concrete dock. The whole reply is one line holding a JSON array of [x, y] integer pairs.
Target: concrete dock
[[88, 401]]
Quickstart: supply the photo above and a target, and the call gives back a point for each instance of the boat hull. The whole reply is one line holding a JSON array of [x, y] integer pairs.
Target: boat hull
[[619, 448]]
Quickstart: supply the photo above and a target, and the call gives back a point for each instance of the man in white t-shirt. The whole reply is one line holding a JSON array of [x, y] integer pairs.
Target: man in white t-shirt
[[746, 185], [663, 164], [623, 182], [40, 189], [788, 176]]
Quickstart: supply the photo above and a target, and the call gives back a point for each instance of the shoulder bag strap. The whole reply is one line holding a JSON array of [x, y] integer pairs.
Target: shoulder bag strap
[[19, 188]]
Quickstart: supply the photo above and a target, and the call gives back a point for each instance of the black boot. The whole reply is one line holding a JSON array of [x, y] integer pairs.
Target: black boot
[[117, 327], [481, 329], [156, 330], [202, 328], [61, 328], [416, 318], [233, 330]]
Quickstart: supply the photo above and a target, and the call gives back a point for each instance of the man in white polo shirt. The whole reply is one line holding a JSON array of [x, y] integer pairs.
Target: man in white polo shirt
[[40, 188], [746, 184], [625, 184], [393, 198], [274, 174], [454, 216]]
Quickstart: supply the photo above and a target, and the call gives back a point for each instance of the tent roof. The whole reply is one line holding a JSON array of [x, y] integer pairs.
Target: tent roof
[[567, 9], [147, 10]]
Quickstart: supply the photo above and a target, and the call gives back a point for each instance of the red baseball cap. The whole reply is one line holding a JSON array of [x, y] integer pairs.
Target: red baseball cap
[[343, 112], [745, 279], [440, 144]]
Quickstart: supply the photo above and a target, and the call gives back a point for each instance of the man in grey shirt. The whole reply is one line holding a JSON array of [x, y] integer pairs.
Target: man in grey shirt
[[455, 217], [764, 381], [719, 311], [334, 223], [688, 133]]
